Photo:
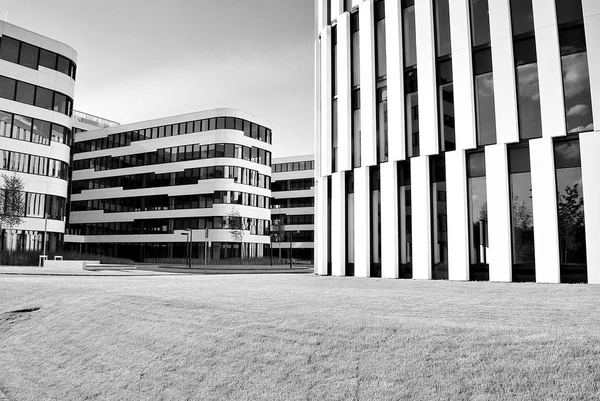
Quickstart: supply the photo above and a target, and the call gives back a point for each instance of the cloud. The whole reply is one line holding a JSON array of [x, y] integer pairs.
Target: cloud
[[575, 74], [578, 110], [581, 128]]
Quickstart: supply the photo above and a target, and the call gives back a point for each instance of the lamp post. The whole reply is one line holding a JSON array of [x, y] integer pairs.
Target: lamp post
[[188, 243], [278, 232]]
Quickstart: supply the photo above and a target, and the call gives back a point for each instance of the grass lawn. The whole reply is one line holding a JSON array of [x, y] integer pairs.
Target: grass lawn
[[291, 337]]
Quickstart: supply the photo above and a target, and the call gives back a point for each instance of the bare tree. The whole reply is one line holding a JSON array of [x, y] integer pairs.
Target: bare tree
[[237, 227], [12, 202], [570, 219]]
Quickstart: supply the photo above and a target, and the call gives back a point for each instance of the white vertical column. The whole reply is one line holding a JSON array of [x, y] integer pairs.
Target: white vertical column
[[590, 170], [421, 217], [338, 224], [389, 223], [317, 99], [591, 13], [321, 227], [395, 81], [458, 220], [505, 91], [545, 218], [337, 8], [321, 14], [426, 78], [367, 83], [344, 95], [498, 201], [362, 231], [462, 71], [326, 101], [549, 69]]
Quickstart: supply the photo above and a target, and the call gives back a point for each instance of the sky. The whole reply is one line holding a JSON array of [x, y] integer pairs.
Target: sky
[[140, 60]]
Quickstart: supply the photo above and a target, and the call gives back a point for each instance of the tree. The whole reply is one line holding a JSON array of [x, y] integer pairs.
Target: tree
[[237, 227], [12, 202], [570, 219], [278, 231]]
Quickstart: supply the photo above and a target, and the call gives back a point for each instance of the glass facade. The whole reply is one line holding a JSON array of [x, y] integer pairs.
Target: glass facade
[[478, 219], [24, 92], [27, 55], [404, 220], [439, 218]]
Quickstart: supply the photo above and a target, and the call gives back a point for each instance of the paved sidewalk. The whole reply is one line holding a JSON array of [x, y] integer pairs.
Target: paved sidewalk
[[66, 271], [230, 269]]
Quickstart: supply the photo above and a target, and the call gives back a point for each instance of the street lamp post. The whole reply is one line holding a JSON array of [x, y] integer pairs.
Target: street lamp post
[[188, 243]]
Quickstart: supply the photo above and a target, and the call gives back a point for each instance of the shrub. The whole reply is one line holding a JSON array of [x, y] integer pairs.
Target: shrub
[[31, 258]]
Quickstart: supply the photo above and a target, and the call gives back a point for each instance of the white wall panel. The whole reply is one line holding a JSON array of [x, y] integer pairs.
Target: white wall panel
[[337, 8], [326, 101], [545, 220], [317, 108], [458, 221], [367, 83], [549, 69], [321, 252], [389, 223], [421, 217], [338, 225], [590, 168], [505, 92], [498, 197], [592, 37], [590, 8], [362, 232], [344, 103], [395, 81], [426, 79]]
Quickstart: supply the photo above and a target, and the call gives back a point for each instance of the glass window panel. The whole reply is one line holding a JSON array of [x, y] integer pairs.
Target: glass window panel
[[478, 227], [409, 39], [412, 123], [380, 36], [239, 124], [29, 56], [22, 128], [484, 104], [442, 28], [382, 125], [9, 49], [568, 11], [197, 126], [230, 123], [530, 120], [521, 12], [572, 40], [25, 92], [7, 88], [41, 132], [60, 103], [220, 122], [5, 124], [482, 62], [62, 65], [355, 49], [212, 124], [48, 59], [480, 23], [525, 51], [578, 102], [189, 127], [204, 125], [439, 219]]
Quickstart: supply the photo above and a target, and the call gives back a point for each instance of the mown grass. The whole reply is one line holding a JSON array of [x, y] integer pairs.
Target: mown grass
[[297, 337]]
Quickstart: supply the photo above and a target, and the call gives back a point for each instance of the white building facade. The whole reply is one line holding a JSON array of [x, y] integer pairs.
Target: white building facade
[[37, 83], [458, 139], [293, 204], [137, 189]]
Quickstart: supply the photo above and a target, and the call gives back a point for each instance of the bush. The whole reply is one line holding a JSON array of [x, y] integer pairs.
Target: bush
[[31, 258], [264, 261]]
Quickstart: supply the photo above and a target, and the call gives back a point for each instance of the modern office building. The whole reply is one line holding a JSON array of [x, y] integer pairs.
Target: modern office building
[[293, 205], [458, 139], [37, 82], [138, 190]]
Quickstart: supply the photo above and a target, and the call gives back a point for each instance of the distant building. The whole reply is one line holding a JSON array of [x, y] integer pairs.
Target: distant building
[[137, 188], [293, 204], [37, 82], [458, 139]]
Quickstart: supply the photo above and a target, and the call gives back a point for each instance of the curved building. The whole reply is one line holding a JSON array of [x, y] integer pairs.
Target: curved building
[[37, 81], [138, 189], [458, 139]]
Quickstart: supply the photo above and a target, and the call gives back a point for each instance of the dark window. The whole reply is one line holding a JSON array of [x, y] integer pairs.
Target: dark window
[[62, 65], [380, 50], [5, 124], [446, 106], [60, 103], [41, 132], [521, 12], [480, 23], [439, 218], [442, 27], [568, 11], [230, 123], [9, 49], [29, 56], [48, 59], [25, 92], [382, 124], [355, 49], [478, 221], [21, 128], [43, 98], [7, 88], [411, 113], [221, 123]]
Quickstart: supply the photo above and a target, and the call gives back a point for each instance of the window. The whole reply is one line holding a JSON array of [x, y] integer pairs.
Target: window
[[480, 23], [404, 220], [478, 219], [523, 251], [521, 12], [41, 132], [9, 49], [484, 97], [62, 65], [571, 219], [380, 51], [43, 98], [442, 27], [5, 124], [355, 49], [409, 38], [22, 128], [439, 218], [411, 113], [60, 103], [29, 56], [25, 92], [47, 59], [446, 106], [382, 125], [7, 88]]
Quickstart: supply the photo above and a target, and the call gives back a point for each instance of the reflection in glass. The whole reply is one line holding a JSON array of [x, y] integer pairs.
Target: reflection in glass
[[568, 11], [439, 218], [411, 113], [375, 206], [480, 23], [404, 220], [356, 133], [530, 120], [409, 39], [578, 100], [442, 27], [350, 223], [521, 215], [571, 222], [382, 125], [486, 114], [478, 221], [521, 12], [355, 49], [380, 53], [334, 135], [446, 106]]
